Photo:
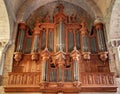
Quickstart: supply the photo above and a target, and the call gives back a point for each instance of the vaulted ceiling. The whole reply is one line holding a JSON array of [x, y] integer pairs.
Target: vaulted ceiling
[[23, 8]]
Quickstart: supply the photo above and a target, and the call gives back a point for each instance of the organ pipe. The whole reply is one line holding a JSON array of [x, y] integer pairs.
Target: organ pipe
[[35, 49], [100, 37], [84, 37], [60, 36], [84, 42], [20, 42], [44, 70], [75, 67], [101, 41], [36, 43], [60, 73]]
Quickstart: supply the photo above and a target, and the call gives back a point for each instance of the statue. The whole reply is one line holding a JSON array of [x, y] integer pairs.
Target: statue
[[73, 18], [47, 18]]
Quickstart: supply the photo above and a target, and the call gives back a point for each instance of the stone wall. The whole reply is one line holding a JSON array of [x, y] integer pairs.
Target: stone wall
[[115, 21], [4, 29]]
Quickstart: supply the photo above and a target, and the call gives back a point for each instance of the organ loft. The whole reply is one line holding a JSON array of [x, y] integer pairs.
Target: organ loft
[[60, 56]]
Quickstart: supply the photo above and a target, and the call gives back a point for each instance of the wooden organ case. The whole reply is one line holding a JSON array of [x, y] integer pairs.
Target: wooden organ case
[[60, 57]]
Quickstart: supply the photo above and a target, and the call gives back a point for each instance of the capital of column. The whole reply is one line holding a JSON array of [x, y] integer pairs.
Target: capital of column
[[115, 43]]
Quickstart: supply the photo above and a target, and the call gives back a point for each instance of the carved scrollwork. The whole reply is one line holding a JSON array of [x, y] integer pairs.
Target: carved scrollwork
[[44, 84], [75, 54], [76, 84], [60, 84], [17, 56], [86, 55], [60, 59], [103, 56], [35, 56], [45, 54]]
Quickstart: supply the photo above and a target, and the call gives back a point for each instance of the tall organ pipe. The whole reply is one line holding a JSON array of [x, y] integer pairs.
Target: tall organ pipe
[[76, 71], [36, 43], [36, 38], [21, 37], [44, 70], [100, 37], [84, 37], [60, 36], [35, 48]]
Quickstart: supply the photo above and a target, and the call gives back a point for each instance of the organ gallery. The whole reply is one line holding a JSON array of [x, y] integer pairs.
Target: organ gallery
[[60, 56]]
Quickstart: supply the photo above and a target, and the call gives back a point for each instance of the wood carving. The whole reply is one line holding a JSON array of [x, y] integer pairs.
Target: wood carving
[[60, 49]]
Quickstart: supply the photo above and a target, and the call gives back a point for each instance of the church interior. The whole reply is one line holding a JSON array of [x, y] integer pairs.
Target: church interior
[[59, 47]]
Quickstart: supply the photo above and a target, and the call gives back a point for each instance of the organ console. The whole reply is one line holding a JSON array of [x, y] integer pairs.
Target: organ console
[[60, 56]]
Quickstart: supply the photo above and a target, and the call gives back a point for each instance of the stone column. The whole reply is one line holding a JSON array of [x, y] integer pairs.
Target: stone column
[[116, 51]]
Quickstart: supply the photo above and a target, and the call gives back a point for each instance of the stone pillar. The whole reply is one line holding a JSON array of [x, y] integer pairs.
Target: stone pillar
[[115, 54]]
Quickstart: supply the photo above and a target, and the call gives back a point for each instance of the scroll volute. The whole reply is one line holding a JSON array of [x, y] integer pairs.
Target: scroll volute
[[18, 56], [103, 56], [86, 55]]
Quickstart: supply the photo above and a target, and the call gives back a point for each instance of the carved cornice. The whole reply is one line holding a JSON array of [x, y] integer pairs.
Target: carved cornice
[[60, 85]]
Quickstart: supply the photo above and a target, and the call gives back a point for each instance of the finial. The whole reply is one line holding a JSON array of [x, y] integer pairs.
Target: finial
[[47, 18], [60, 8], [37, 21], [73, 18]]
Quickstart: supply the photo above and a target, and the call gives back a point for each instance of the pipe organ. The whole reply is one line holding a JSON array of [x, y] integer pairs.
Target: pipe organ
[[60, 56]]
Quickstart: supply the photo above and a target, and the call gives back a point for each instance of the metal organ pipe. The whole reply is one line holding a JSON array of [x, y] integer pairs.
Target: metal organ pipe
[[36, 43], [36, 37], [35, 48], [20, 42], [60, 36], [21, 37], [60, 74], [84, 37], [76, 73], [44, 70], [100, 37]]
